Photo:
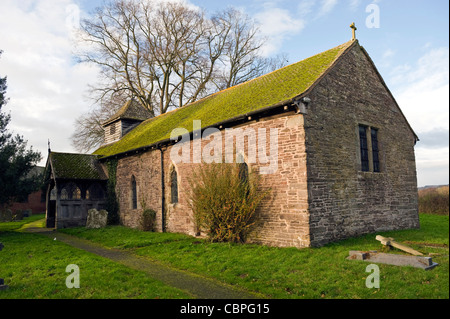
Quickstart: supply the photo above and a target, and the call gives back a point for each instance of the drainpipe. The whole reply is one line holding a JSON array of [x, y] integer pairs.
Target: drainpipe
[[163, 204]]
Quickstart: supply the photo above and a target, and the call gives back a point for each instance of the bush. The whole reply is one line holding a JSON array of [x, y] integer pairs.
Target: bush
[[434, 200], [148, 220], [224, 198]]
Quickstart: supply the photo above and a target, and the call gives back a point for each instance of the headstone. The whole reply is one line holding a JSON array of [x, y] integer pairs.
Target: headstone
[[96, 219], [26, 212], [18, 215], [6, 215]]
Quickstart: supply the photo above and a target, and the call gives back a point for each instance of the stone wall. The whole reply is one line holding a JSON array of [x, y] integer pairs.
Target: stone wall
[[146, 168], [343, 200], [283, 215], [319, 193]]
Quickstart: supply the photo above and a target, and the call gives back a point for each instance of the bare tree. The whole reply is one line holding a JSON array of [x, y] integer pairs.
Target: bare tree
[[164, 55], [89, 132]]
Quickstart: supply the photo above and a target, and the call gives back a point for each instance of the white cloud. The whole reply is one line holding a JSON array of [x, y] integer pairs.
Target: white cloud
[[277, 25], [45, 87], [432, 166], [354, 4], [388, 53], [422, 91], [305, 7], [326, 7]]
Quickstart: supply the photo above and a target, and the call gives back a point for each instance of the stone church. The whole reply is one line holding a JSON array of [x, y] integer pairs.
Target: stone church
[[344, 162]]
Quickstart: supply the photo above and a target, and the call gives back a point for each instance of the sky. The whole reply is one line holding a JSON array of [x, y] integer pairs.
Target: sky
[[408, 41]]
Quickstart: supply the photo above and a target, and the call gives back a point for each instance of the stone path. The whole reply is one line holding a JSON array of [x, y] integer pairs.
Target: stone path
[[198, 286]]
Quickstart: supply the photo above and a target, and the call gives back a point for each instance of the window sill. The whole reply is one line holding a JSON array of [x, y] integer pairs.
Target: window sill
[[370, 175]]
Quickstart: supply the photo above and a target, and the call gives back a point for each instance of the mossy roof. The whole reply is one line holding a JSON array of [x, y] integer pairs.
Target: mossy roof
[[131, 110], [76, 166], [271, 89]]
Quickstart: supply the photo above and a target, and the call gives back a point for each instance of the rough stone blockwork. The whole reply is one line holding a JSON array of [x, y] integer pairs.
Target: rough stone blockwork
[[343, 200], [283, 215]]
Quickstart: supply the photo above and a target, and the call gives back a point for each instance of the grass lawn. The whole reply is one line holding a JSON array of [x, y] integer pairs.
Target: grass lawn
[[295, 273], [34, 266]]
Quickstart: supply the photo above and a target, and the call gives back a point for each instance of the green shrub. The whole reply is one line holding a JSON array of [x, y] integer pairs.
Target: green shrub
[[434, 200], [148, 219], [224, 199]]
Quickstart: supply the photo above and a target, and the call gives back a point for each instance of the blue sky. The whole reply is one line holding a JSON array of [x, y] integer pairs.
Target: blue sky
[[409, 46]]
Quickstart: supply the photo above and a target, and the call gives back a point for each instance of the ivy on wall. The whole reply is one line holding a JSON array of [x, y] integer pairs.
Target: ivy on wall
[[112, 205]]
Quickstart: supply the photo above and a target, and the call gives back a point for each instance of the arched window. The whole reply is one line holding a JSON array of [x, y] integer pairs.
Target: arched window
[[174, 186], [64, 194], [53, 194], [133, 193], [70, 192], [76, 194], [243, 168]]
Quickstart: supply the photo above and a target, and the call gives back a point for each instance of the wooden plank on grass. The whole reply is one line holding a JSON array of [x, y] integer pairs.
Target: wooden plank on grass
[[391, 259], [391, 242]]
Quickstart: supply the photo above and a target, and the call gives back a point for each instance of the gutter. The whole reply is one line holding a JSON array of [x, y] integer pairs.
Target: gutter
[[163, 196]]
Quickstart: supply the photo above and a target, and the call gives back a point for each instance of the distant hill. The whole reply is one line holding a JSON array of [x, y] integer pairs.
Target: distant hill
[[432, 186]]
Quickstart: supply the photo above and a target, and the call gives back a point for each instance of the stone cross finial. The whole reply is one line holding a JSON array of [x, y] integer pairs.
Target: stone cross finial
[[353, 27]]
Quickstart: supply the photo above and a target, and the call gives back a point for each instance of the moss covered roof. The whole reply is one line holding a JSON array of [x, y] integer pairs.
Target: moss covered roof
[[267, 90], [76, 166], [131, 110]]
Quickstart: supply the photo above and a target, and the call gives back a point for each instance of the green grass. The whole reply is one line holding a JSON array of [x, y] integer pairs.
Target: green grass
[[10, 226], [295, 273], [34, 266]]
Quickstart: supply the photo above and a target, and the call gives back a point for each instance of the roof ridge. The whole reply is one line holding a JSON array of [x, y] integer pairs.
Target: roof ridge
[[268, 74], [349, 43], [72, 153], [273, 88], [121, 112]]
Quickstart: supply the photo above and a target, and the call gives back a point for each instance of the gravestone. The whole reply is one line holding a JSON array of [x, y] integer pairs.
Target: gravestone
[[26, 212], [96, 219], [18, 215], [6, 215], [2, 282]]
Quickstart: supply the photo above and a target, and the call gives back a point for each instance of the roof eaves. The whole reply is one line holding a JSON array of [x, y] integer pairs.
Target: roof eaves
[[220, 125]]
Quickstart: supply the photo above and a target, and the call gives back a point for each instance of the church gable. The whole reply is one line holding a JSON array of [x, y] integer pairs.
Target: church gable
[[361, 164]]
